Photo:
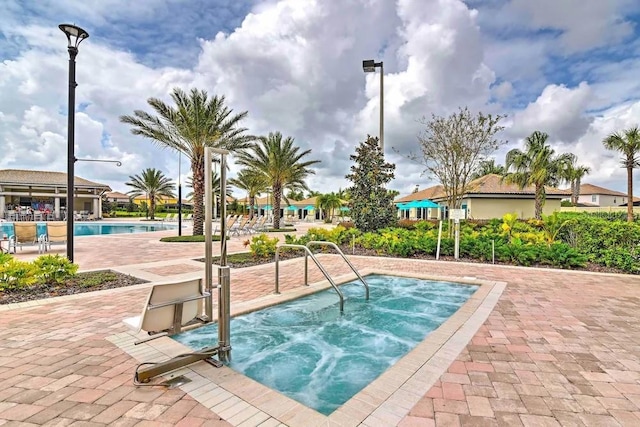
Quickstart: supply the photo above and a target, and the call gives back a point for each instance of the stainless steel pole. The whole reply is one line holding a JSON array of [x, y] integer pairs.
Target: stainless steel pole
[[71, 157], [208, 258], [382, 107], [179, 194], [224, 273]]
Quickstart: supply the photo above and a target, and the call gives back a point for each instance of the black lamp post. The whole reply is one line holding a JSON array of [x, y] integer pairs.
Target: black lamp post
[[369, 66], [75, 35]]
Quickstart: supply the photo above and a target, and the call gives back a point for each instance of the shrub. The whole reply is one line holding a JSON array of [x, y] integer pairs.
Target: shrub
[[15, 274], [263, 246], [408, 224], [346, 224], [54, 268]]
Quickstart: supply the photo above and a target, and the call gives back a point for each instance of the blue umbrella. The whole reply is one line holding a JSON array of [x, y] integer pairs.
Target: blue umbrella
[[267, 207], [291, 208], [345, 209], [403, 206], [309, 208], [426, 203]]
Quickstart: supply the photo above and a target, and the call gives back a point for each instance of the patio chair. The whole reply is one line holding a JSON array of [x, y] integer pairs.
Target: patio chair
[[170, 217], [26, 234], [189, 217], [250, 225], [230, 224], [169, 307], [260, 225], [56, 235], [239, 226]]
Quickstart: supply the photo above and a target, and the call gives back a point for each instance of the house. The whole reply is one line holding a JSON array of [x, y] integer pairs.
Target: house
[[487, 197], [120, 199], [593, 195], [44, 190]]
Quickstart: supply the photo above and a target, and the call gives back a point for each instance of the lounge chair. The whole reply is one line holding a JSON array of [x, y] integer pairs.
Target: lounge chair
[[26, 234], [230, 224], [250, 225], [239, 226], [56, 235], [170, 217], [169, 307], [189, 217], [259, 226]]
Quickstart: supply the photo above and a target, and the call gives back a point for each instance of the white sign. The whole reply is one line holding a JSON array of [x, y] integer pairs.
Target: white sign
[[458, 214]]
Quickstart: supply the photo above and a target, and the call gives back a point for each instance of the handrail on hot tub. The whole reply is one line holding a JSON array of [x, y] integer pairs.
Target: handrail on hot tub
[[333, 245], [322, 269]]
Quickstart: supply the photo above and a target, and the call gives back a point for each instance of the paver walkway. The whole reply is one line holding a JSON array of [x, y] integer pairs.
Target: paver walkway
[[560, 348]]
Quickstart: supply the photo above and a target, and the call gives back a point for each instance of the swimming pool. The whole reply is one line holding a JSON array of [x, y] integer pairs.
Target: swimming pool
[[96, 229], [306, 350]]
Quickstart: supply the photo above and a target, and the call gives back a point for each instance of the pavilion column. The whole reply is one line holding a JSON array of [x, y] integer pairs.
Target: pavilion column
[[56, 205], [3, 204], [99, 214], [95, 207]]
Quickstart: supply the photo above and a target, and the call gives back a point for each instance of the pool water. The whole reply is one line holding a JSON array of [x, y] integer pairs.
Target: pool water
[[95, 229], [308, 351]]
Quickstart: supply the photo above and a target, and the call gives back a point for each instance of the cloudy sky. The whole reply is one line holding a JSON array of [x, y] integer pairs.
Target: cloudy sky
[[570, 68]]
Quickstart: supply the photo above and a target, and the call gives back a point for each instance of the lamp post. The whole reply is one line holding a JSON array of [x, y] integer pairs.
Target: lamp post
[[75, 35], [369, 66], [179, 193]]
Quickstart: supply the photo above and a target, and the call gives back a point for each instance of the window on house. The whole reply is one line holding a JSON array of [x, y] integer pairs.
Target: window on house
[[594, 198], [614, 200]]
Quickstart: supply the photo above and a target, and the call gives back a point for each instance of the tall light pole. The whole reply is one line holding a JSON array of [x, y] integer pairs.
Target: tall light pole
[[369, 66], [75, 35], [179, 193]]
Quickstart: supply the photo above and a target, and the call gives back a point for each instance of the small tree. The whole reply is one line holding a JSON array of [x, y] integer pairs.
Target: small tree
[[628, 144], [452, 148], [371, 203]]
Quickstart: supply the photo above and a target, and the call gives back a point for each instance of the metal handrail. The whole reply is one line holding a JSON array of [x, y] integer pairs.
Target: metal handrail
[[333, 245], [322, 269]]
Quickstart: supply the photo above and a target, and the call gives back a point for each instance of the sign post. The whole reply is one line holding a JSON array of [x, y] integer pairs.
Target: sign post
[[457, 215]]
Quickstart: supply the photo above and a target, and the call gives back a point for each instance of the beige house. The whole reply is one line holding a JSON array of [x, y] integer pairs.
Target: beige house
[[593, 195], [487, 197], [43, 190]]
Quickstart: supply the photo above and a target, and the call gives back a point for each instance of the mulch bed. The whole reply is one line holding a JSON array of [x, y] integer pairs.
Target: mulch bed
[[81, 283]]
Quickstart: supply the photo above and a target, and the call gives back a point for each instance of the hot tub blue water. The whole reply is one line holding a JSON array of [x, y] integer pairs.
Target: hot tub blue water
[[308, 351]]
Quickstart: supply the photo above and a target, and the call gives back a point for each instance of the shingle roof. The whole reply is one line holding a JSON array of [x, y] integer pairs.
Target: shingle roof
[[45, 178], [491, 184], [116, 195]]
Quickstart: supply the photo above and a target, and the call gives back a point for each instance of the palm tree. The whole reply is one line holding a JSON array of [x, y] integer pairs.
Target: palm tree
[[154, 184], [215, 188], [574, 174], [195, 122], [281, 163], [538, 166], [627, 143], [253, 182], [486, 167], [328, 203]]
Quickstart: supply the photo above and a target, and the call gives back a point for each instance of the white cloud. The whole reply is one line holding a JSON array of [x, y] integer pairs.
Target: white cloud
[[558, 111]]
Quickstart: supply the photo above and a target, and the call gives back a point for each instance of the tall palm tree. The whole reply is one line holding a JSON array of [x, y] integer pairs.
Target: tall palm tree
[[215, 188], [574, 174], [253, 182], [328, 203], [627, 143], [281, 163], [152, 183], [195, 122], [486, 167], [537, 165]]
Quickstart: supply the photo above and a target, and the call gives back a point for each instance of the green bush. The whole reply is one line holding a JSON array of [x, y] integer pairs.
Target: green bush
[[54, 269], [263, 246], [16, 274]]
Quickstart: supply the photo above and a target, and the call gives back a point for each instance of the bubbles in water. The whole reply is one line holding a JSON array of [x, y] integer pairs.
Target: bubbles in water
[[307, 350]]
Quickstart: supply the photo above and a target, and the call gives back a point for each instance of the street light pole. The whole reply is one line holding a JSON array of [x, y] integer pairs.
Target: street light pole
[[75, 35], [179, 194], [369, 66]]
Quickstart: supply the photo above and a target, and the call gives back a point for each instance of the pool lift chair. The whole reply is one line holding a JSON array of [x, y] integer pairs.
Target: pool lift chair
[[178, 304]]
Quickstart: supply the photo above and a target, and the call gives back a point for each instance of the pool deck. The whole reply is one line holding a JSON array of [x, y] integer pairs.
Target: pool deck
[[558, 348]]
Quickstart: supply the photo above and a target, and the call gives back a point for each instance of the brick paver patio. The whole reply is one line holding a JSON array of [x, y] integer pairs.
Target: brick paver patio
[[560, 348]]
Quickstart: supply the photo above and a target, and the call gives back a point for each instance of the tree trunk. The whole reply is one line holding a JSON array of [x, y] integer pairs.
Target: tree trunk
[[197, 167], [630, 193], [252, 202], [539, 201], [574, 196], [277, 194], [152, 207], [576, 192]]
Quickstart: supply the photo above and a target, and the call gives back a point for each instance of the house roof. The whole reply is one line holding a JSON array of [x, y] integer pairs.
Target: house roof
[[116, 195], [490, 184], [589, 189], [44, 178]]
